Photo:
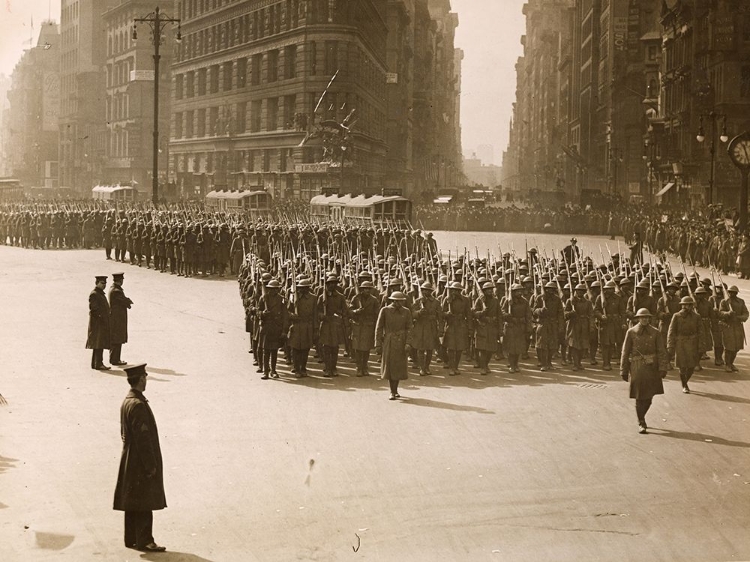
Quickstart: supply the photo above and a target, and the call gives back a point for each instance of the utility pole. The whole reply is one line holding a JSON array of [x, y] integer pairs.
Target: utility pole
[[157, 22]]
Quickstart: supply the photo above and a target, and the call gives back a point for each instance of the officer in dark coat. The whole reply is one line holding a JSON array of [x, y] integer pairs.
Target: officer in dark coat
[[140, 481], [98, 333], [118, 319], [644, 363]]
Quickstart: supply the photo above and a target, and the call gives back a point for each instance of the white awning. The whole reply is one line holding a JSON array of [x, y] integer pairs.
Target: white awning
[[666, 188]]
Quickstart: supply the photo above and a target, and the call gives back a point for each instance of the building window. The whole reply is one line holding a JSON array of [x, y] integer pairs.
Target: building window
[[273, 65], [178, 125], [189, 124], [255, 114], [201, 122], [214, 79], [272, 119], [228, 67], [241, 72], [202, 82], [213, 120], [289, 106], [179, 85], [257, 63], [241, 117], [290, 62], [331, 57], [313, 58]]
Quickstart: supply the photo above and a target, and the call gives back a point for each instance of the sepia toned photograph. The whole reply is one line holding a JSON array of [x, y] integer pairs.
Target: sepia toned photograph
[[377, 280]]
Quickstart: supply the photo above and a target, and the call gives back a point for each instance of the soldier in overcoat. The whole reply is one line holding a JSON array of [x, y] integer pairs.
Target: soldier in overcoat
[[488, 316], [644, 363], [456, 311], [140, 480], [732, 313], [425, 334], [303, 328], [578, 314], [682, 340], [392, 337], [98, 332], [272, 312], [704, 308], [715, 299], [607, 310], [517, 318], [364, 314], [548, 312], [118, 318], [333, 313]]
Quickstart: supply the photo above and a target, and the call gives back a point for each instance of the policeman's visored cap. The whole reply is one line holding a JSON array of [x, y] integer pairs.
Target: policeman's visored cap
[[118, 275], [427, 286], [488, 285], [273, 284], [550, 285], [397, 296], [135, 372], [100, 278], [366, 285], [733, 289], [687, 300], [643, 313]]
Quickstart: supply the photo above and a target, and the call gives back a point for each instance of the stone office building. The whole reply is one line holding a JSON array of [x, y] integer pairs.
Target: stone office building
[[247, 82]]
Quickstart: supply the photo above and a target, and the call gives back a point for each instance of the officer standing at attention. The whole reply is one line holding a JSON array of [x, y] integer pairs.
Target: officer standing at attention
[[98, 333], [140, 481], [118, 319]]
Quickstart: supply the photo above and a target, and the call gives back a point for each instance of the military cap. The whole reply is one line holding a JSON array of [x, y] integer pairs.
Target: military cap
[[706, 281], [516, 287], [733, 289], [687, 300], [673, 285], [332, 279], [527, 279], [266, 277], [610, 285], [303, 282], [488, 285], [580, 287], [100, 278], [701, 291], [643, 284], [643, 313], [394, 281], [273, 284], [426, 286], [550, 285], [135, 372], [456, 285], [596, 284], [397, 296], [366, 285], [443, 279], [118, 275], [500, 281]]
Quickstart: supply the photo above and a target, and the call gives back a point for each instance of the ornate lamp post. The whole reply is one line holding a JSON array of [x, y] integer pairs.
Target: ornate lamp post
[[701, 136], [157, 22]]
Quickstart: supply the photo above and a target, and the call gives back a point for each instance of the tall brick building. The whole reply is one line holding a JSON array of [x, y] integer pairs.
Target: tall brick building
[[247, 82]]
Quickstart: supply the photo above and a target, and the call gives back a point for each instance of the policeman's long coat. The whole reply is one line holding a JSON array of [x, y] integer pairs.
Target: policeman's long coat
[[140, 481], [683, 338], [98, 333], [392, 333], [733, 313], [118, 315], [643, 358]]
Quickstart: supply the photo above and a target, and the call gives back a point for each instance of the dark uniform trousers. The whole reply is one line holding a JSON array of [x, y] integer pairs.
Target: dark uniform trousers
[[139, 528]]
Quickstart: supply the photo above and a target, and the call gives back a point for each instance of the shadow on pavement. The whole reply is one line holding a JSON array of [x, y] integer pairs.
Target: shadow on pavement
[[6, 463], [722, 397], [169, 372], [444, 405], [173, 557], [53, 541], [115, 372], [702, 437]]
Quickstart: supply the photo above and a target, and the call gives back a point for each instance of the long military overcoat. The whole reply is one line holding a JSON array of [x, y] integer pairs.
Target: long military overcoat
[[98, 333], [273, 321], [332, 312], [488, 314], [517, 325], [392, 334], [118, 315], [578, 315], [733, 313], [140, 481], [683, 337], [425, 334], [364, 314], [643, 358], [456, 311], [548, 311], [303, 327]]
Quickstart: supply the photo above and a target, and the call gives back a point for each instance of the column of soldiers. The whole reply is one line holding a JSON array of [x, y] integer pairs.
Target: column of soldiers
[[302, 299]]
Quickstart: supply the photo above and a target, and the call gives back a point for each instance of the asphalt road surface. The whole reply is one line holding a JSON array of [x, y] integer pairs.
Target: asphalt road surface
[[509, 467]]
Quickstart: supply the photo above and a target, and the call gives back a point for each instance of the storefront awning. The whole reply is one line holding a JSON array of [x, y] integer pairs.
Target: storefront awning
[[666, 188]]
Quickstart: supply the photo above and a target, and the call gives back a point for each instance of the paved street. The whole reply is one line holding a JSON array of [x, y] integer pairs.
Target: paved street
[[511, 467]]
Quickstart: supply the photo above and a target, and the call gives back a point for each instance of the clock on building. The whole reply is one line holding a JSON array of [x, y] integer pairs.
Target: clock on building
[[739, 150]]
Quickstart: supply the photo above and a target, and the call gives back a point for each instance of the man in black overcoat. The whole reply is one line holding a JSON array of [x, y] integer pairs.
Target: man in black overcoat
[[98, 333], [118, 315], [140, 482]]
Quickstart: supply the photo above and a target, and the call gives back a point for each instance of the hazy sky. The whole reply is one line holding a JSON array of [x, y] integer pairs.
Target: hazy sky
[[489, 31]]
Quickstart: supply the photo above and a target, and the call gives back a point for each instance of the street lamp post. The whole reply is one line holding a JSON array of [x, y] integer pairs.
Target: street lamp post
[[701, 136], [157, 22]]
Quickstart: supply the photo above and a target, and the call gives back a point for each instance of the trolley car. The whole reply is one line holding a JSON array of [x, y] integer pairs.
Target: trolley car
[[373, 210], [10, 189], [258, 203], [114, 193]]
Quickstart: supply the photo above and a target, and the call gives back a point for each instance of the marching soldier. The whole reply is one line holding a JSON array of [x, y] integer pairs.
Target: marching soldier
[[548, 312], [303, 329], [733, 314], [392, 337], [487, 314], [578, 314], [456, 311], [364, 314], [273, 324], [333, 314], [517, 318], [682, 340], [427, 314]]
